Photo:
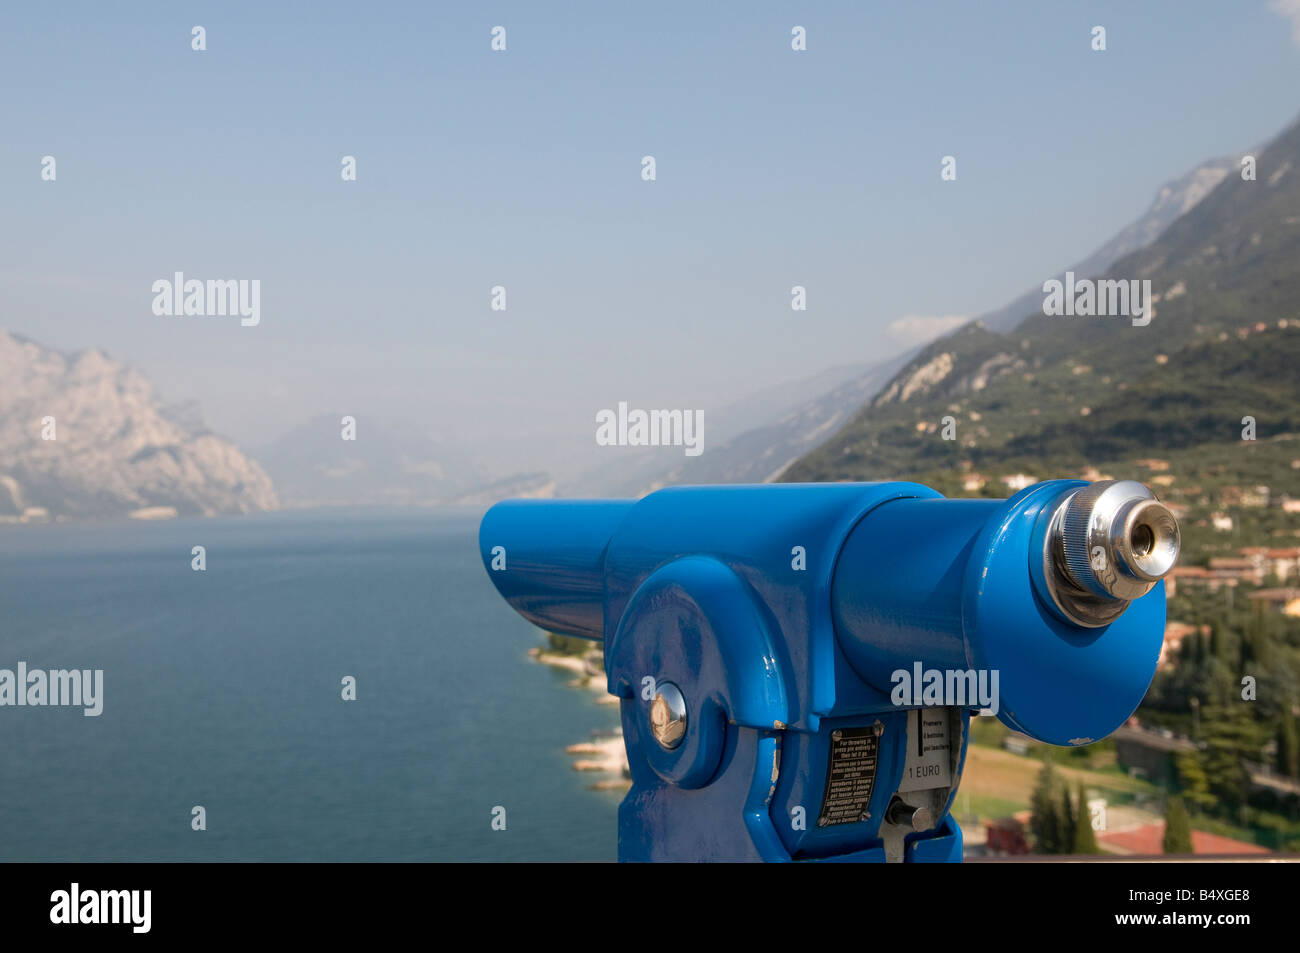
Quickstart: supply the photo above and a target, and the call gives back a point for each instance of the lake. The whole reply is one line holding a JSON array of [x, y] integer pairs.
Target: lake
[[222, 689]]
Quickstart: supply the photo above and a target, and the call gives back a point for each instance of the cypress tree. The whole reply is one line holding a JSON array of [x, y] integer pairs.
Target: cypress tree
[[1193, 782], [1045, 824], [1288, 746], [1178, 828], [1085, 841], [1066, 821]]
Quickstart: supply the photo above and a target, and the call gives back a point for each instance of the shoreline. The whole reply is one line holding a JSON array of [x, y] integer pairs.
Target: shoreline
[[605, 755]]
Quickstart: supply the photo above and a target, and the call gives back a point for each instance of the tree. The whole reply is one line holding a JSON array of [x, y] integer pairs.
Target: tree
[[1231, 736], [1192, 779], [1178, 828], [1288, 746], [1045, 825], [1067, 820], [1085, 841]]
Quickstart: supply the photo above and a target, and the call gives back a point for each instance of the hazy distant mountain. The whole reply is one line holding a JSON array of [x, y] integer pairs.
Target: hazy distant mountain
[[115, 451], [763, 407], [762, 453], [313, 465], [745, 442], [523, 486]]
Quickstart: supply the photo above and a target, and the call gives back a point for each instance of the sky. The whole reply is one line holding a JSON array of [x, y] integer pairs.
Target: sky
[[522, 168]]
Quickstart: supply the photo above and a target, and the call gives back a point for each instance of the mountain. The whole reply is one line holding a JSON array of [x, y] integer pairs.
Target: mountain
[[313, 465], [787, 425], [523, 486], [762, 454], [753, 441], [1059, 394], [115, 449], [1173, 200]]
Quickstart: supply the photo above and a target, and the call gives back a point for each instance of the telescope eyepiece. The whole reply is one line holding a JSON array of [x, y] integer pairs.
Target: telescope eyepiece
[[1147, 542], [1107, 544]]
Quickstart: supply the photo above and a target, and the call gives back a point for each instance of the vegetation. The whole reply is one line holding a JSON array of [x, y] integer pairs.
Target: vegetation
[[569, 645], [1085, 840], [1052, 821], [1178, 828], [1060, 824]]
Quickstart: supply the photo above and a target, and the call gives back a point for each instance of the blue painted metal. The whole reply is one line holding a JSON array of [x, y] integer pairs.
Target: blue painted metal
[[955, 583], [554, 565], [782, 612]]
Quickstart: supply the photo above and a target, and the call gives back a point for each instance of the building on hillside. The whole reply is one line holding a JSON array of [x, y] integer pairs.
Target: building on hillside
[[1148, 752], [1175, 632], [1254, 565], [1008, 835], [1255, 496], [1284, 563], [1286, 601], [1243, 569], [1263, 777], [1018, 743], [1213, 580]]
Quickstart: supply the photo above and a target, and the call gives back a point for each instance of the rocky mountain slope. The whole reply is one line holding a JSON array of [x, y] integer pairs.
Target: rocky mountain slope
[[84, 437], [1173, 200]]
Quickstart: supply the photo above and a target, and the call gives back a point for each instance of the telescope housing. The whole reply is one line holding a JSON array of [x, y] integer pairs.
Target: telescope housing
[[796, 662]]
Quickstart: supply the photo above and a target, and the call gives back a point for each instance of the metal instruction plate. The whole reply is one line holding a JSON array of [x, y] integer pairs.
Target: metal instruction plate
[[850, 776]]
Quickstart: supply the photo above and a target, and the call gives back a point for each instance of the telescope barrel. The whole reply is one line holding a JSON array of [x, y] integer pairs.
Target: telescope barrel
[[547, 558], [899, 581], [1028, 588]]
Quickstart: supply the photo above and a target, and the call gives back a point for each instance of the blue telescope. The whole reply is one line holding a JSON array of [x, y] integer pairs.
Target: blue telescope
[[797, 665]]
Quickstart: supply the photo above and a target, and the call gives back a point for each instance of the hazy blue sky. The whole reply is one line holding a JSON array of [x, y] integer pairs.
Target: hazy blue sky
[[522, 169]]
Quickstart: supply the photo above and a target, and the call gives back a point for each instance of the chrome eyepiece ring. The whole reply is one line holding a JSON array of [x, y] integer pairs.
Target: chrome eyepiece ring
[[1107, 544]]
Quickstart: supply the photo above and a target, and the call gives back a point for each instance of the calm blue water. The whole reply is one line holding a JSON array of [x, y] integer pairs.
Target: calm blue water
[[222, 689]]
